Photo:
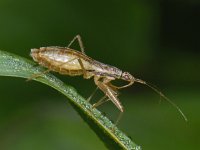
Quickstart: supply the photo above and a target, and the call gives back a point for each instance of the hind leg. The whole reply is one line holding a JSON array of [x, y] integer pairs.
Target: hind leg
[[33, 76], [78, 37]]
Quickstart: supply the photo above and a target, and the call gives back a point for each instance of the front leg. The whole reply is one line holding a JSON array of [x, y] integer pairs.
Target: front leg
[[109, 92]]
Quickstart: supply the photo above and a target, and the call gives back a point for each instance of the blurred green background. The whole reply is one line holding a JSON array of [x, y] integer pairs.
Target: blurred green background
[[156, 41]]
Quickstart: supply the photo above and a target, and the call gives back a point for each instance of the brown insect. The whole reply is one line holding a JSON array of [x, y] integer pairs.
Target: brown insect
[[68, 61]]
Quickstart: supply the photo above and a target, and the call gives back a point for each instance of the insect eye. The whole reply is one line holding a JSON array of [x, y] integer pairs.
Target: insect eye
[[126, 76]]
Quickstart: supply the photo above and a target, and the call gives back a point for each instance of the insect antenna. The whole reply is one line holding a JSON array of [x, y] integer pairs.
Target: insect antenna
[[162, 95]]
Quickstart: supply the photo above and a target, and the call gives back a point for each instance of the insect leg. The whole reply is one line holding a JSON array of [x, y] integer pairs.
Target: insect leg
[[109, 92], [37, 75], [85, 74], [78, 37], [119, 118], [119, 87], [89, 98], [101, 101]]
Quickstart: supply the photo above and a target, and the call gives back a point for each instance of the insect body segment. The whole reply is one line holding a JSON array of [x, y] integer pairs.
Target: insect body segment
[[71, 62], [66, 60], [62, 60]]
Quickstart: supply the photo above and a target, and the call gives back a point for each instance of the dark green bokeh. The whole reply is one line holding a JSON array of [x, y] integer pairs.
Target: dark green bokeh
[[155, 41]]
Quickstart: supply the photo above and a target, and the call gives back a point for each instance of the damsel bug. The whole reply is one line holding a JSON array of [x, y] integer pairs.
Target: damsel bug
[[68, 61]]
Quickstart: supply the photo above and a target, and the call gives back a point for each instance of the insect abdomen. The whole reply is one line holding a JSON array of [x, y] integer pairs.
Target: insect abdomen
[[59, 60]]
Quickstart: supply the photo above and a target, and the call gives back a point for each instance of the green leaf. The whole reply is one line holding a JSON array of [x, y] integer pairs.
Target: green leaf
[[113, 138]]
